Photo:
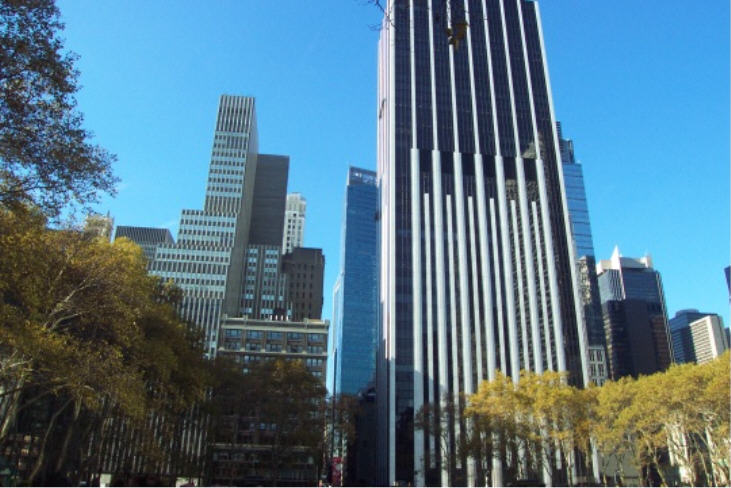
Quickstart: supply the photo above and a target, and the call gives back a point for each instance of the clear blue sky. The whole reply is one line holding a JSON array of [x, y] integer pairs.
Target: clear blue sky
[[641, 87]]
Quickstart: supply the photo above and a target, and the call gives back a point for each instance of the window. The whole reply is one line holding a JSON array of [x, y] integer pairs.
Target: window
[[317, 338], [276, 336], [253, 334], [233, 333], [295, 336]]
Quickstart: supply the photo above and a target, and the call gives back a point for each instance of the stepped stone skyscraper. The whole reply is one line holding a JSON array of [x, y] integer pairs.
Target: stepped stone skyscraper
[[478, 269], [227, 258]]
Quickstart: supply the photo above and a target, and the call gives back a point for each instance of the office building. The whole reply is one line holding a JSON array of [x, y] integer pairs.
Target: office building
[[304, 268], [264, 287], [228, 256], [635, 320], [478, 269], [697, 336], [356, 293], [237, 455], [207, 259], [573, 174], [148, 238], [598, 368], [294, 222], [352, 348], [581, 231], [709, 338], [252, 340]]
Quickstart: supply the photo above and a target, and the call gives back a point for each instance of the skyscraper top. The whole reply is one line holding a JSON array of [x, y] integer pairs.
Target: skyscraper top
[[361, 176], [618, 262]]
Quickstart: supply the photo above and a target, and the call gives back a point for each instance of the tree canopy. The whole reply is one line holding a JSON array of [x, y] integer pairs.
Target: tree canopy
[[46, 155], [87, 336]]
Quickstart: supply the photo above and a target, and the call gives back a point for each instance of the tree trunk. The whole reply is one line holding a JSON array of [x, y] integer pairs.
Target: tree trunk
[[67, 437], [42, 451]]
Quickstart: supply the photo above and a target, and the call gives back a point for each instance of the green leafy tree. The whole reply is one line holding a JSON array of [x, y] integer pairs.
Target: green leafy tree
[[46, 154], [281, 406]]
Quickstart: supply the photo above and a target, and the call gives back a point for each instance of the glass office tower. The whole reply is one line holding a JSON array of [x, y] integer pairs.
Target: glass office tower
[[635, 317], [477, 261], [585, 258], [356, 292]]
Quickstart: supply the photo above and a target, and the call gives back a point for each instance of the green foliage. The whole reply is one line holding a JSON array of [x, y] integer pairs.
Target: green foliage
[[46, 156], [86, 332], [279, 404]]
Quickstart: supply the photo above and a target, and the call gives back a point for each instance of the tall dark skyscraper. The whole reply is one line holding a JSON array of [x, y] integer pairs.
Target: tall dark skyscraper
[[477, 261], [635, 317]]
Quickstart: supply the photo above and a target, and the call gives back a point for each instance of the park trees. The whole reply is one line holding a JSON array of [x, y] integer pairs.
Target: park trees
[[86, 336], [269, 421], [669, 427], [46, 155], [534, 418]]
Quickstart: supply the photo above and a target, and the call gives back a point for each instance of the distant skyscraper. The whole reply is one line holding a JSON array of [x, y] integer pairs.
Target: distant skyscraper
[[148, 238], [635, 320], [478, 271], [709, 338], [356, 294], [576, 197], [208, 258], [581, 231], [294, 222], [697, 336]]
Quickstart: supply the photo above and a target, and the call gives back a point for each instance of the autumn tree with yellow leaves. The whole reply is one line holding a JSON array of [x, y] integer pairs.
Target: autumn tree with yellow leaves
[[670, 427], [87, 340]]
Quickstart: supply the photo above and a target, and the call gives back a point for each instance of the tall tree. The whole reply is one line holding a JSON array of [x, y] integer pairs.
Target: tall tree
[[46, 154]]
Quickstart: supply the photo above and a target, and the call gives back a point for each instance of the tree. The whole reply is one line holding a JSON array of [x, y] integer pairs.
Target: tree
[[89, 340], [278, 408], [46, 156]]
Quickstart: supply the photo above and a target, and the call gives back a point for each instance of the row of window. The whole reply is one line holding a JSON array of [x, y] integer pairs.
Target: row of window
[[273, 335]]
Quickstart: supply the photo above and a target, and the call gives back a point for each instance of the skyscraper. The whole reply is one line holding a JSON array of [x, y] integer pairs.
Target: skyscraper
[[635, 318], [207, 260], [294, 222], [477, 260], [356, 293], [585, 258], [148, 238], [697, 336]]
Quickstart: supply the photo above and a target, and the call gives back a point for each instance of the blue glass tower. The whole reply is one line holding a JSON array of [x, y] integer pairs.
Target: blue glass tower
[[575, 197], [353, 346]]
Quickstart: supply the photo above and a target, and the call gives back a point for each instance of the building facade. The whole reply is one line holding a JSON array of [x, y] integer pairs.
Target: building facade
[[294, 222], [697, 336], [237, 456], [478, 271], [148, 238], [581, 230], [709, 338], [304, 268], [355, 317], [206, 262], [251, 340], [635, 318]]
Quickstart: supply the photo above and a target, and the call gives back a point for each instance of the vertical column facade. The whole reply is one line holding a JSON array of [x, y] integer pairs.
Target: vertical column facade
[[476, 252]]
